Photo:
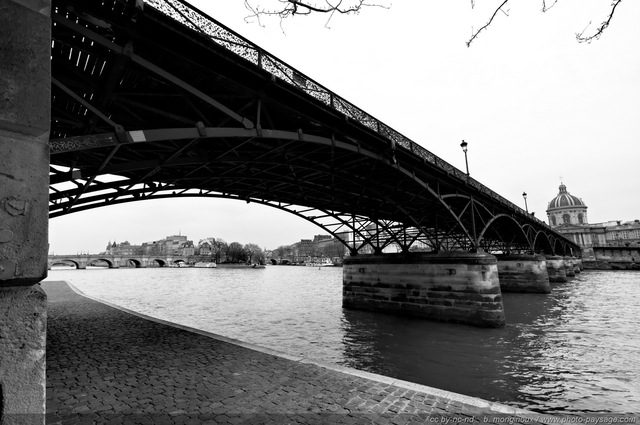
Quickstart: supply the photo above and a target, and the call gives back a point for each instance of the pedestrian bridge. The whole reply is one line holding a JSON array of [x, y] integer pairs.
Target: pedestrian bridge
[[158, 100], [81, 261]]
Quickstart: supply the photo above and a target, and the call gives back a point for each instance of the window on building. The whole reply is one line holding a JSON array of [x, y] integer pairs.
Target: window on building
[[553, 220], [566, 219], [580, 219]]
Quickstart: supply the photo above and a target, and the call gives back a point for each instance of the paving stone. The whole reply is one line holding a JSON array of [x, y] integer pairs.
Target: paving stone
[[103, 363]]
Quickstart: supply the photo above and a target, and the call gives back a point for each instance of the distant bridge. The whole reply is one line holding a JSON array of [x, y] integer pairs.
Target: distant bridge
[[81, 261]]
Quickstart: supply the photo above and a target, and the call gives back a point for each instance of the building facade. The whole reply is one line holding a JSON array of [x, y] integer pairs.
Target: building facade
[[609, 242]]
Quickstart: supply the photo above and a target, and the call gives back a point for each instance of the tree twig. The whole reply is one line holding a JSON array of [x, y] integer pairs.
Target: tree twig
[[473, 37], [291, 8], [582, 39], [545, 7]]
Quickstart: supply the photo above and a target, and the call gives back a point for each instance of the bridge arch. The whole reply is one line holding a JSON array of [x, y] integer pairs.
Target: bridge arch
[[110, 263], [65, 262], [541, 243], [159, 262], [507, 229], [134, 262]]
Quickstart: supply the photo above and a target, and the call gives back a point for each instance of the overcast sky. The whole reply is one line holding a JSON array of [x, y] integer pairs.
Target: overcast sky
[[534, 106]]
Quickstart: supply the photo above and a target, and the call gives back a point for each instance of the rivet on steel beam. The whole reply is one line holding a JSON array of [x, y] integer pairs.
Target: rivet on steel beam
[[202, 130], [121, 135]]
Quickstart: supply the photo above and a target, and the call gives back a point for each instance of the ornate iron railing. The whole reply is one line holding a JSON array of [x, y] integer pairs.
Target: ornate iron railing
[[200, 22]]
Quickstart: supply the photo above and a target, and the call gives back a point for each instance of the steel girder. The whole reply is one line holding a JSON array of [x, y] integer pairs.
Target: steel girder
[[165, 102], [238, 169]]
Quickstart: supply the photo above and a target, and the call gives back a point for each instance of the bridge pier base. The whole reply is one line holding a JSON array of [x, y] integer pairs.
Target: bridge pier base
[[523, 273], [556, 269], [25, 105], [570, 270], [23, 351], [574, 263], [449, 286]]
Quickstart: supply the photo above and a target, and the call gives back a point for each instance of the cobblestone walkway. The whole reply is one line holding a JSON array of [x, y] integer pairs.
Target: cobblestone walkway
[[108, 366]]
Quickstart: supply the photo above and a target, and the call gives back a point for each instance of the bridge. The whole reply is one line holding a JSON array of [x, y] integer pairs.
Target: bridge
[[117, 101], [81, 261], [158, 100], [138, 113]]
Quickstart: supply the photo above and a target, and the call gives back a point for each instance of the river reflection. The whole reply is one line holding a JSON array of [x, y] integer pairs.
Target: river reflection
[[575, 350]]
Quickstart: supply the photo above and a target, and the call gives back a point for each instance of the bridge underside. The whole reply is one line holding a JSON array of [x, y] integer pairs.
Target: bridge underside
[[145, 107]]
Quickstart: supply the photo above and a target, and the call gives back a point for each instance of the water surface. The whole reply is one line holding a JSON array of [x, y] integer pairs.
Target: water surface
[[575, 350]]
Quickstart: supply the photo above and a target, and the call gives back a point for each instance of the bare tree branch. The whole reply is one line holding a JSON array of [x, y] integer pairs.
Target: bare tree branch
[[473, 37], [545, 7], [582, 39], [289, 8]]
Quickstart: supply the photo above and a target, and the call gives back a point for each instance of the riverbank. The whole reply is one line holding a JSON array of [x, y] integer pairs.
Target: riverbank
[[110, 366]]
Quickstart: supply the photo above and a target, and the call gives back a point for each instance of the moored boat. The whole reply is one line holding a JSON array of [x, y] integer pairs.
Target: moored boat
[[206, 265]]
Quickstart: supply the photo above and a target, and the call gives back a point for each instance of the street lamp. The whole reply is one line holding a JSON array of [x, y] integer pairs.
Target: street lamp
[[524, 195], [463, 145]]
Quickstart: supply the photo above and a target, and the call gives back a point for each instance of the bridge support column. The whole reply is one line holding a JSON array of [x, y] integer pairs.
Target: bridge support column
[[523, 273], [556, 269], [25, 103], [570, 270], [450, 286], [575, 263]]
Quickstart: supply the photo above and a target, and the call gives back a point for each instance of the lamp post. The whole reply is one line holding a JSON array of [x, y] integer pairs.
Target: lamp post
[[524, 195], [463, 145]]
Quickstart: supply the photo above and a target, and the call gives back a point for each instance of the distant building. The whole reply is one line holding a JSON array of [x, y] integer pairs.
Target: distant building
[[123, 249], [204, 248], [567, 214], [174, 244], [188, 249]]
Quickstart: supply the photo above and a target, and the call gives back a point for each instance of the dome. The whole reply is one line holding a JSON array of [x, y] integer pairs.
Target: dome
[[564, 199]]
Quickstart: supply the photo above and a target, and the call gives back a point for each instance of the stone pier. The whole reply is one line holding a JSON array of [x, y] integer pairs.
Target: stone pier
[[575, 263], [457, 287], [25, 104], [569, 267], [556, 268], [523, 273]]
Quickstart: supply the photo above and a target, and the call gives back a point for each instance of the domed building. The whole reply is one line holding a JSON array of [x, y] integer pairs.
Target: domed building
[[566, 209], [568, 215], [612, 242]]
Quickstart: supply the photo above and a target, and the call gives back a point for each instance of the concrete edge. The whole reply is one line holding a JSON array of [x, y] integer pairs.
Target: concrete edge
[[486, 406]]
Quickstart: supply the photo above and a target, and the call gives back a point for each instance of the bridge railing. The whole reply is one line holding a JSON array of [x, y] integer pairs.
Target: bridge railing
[[197, 20]]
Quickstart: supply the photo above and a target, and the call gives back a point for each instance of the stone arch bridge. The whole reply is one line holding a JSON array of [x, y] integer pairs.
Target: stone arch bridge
[[81, 261]]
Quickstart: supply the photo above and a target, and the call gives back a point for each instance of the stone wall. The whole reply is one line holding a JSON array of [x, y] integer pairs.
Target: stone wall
[[614, 258]]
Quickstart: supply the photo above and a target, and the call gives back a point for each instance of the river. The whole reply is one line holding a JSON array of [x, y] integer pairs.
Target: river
[[576, 350]]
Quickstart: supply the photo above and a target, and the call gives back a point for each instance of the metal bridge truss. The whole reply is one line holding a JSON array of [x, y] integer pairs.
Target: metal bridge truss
[[466, 223], [163, 101]]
